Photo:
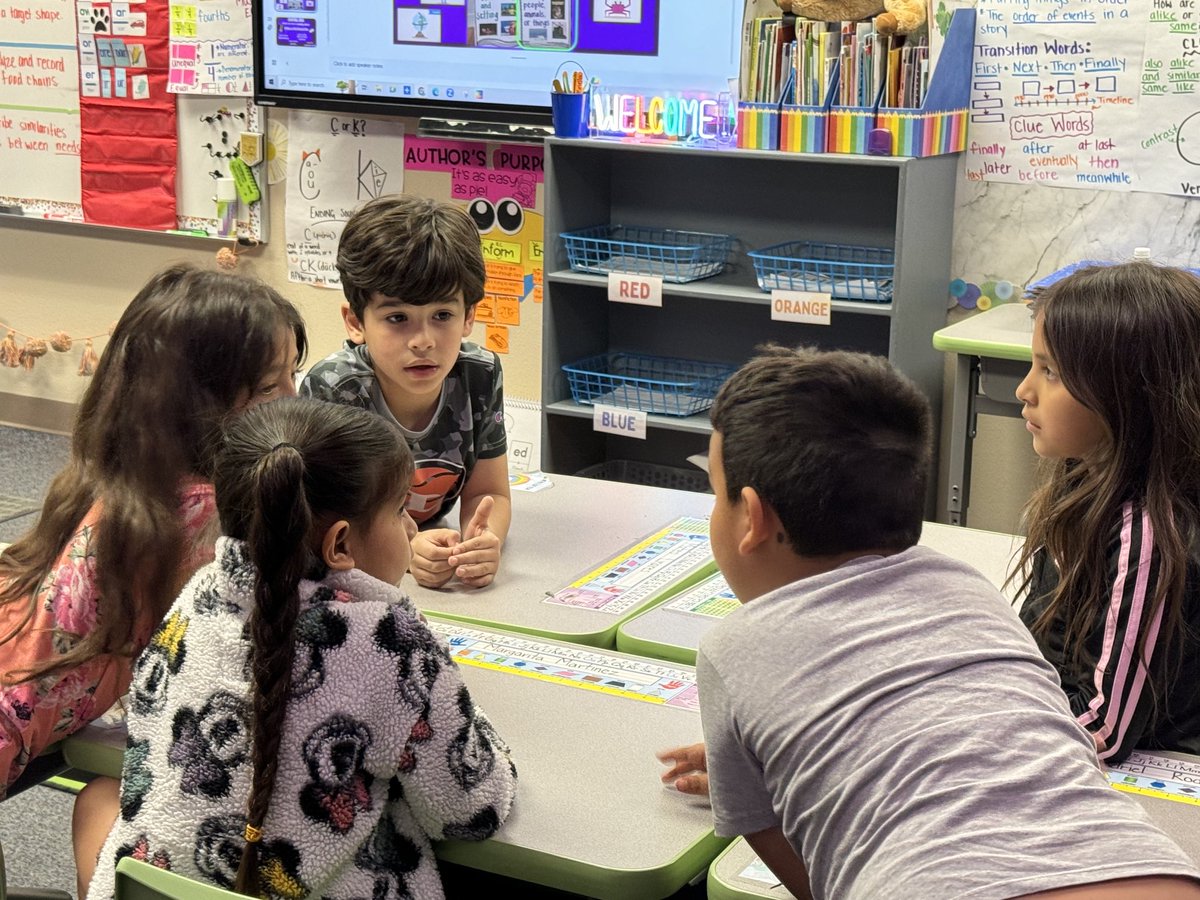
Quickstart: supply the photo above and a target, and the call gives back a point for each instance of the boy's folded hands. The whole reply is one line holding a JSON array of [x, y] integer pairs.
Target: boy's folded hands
[[440, 554]]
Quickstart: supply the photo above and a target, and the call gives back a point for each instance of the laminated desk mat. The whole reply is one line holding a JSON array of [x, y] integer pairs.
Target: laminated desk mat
[[1158, 776], [570, 664], [667, 560]]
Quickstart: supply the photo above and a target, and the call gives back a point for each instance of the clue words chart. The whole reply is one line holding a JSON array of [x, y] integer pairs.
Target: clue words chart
[[638, 573], [574, 666], [1095, 94]]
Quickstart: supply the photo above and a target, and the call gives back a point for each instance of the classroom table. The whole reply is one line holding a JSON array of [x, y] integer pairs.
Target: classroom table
[[591, 815], [556, 535], [992, 353], [665, 632], [729, 878]]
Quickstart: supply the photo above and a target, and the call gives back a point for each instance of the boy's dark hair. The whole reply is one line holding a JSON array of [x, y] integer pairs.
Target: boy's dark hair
[[418, 250], [837, 443], [289, 469]]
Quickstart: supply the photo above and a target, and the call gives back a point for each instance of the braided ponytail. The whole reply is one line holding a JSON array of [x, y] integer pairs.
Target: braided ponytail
[[285, 468], [278, 539]]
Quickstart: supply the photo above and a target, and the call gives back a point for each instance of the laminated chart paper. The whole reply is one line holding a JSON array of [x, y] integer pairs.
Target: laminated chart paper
[[1088, 94], [212, 51], [335, 164], [39, 107], [651, 566]]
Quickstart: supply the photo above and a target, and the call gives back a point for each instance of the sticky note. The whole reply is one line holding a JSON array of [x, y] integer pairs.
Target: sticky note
[[243, 179], [508, 311], [497, 338], [485, 311]]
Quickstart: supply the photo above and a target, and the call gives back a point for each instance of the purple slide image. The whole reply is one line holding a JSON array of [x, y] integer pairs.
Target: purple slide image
[[291, 32], [615, 36], [454, 20], [295, 5]]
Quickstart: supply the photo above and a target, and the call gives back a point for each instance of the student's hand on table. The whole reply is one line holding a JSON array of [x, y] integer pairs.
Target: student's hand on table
[[476, 559], [689, 769], [431, 549]]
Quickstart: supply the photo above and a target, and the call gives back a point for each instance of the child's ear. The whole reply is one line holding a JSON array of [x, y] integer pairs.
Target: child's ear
[[761, 524], [469, 320], [354, 329], [335, 547]]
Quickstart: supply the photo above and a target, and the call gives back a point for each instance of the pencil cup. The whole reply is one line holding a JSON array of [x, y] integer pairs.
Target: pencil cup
[[570, 113]]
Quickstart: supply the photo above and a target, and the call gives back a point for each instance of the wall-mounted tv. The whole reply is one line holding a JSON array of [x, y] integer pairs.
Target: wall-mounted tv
[[484, 60]]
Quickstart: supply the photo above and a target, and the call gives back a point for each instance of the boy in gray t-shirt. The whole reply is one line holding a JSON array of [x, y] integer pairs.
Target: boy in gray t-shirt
[[878, 722]]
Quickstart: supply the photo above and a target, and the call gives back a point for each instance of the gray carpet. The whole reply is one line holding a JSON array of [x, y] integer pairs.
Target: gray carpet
[[35, 826], [28, 462]]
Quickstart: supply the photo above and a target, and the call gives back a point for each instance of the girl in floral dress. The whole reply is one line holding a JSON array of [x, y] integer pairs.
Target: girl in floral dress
[[132, 515]]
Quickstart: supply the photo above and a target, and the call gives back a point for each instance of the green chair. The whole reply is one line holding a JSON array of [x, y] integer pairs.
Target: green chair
[[137, 880]]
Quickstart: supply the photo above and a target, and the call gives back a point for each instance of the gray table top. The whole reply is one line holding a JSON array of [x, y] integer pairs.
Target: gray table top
[[591, 815], [674, 634], [556, 535]]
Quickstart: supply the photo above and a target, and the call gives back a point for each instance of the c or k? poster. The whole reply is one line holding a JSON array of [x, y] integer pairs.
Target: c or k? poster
[[335, 165], [1093, 94]]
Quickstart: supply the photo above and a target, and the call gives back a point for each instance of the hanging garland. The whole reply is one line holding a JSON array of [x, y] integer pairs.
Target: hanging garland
[[12, 356]]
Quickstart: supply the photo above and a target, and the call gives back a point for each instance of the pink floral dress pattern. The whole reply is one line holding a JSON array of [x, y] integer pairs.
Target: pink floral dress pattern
[[35, 714]]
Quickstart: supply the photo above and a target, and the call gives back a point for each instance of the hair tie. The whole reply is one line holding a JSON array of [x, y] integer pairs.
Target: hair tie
[[253, 835], [283, 444]]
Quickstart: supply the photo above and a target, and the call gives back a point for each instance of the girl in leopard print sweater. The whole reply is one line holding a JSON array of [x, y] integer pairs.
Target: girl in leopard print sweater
[[295, 728]]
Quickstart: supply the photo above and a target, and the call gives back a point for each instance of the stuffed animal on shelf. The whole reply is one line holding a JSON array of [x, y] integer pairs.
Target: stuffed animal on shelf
[[901, 17], [832, 10], [891, 16]]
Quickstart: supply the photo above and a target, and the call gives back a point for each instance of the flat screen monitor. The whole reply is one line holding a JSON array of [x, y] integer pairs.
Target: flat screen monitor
[[485, 60]]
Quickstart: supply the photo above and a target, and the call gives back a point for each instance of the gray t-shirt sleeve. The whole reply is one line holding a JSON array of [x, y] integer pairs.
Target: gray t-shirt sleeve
[[491, 440], [741, 803]]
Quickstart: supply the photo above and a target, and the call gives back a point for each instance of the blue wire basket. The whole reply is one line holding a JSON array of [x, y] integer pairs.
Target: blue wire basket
[[652, 384], [843, 271], [675, 256]]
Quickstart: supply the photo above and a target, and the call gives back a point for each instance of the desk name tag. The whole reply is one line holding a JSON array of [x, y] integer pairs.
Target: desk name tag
[[808, 307], [645, 290], [615, 420]]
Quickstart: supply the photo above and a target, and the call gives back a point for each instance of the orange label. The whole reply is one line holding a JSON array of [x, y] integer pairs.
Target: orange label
[[484, 310], [497, 338], [511, 271], [537, 293], [504, 288], [508, 311]]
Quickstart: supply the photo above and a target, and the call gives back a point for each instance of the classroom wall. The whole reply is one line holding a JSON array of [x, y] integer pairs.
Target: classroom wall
[[60, 277]]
